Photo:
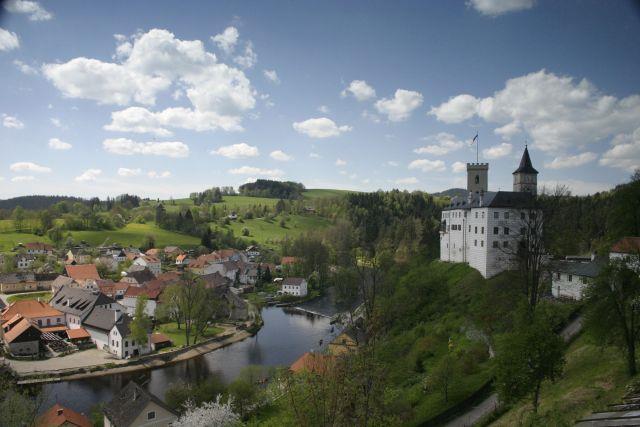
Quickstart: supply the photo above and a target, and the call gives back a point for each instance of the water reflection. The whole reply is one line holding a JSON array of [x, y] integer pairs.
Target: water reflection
[[284, 337]]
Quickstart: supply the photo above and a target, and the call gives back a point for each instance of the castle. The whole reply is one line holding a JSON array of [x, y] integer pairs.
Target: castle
[[484, 229]]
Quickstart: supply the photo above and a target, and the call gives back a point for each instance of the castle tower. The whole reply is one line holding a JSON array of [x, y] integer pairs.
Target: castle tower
[[477, 177], [525, 178]]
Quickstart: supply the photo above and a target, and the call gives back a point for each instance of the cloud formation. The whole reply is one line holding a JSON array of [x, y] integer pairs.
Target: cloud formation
[[400, 107], [28, 167], [32, 8], [88, 175], [497, 151], [624, 152], [320, 128], [426, 165], [254, 171], [500, 7], [360, 90], [280, 156], [11, 122], [564, 162], [237, 151], [442, 143], [128, 147], [57, 144]]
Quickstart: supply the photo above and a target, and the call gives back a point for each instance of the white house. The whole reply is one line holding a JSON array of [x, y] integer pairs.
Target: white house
[[77, 304], [484, 229], [24, 261], [570, 277], [110, 331], [627, 249], [152, 263], [296, 286]]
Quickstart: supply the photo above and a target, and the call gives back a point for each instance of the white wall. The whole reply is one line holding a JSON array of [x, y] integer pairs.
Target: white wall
[[562, 287]]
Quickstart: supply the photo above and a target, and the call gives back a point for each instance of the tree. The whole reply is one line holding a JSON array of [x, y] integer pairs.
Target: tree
[[161, 215], [209, 414], [149, 242], [18, 218], [442, 376], [206, 239], [245, 232], [613, 309], [141, 323], [526, 357], [280, 207]]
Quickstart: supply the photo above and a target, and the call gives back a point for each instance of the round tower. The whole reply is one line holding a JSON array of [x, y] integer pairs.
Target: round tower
[[525, 178]]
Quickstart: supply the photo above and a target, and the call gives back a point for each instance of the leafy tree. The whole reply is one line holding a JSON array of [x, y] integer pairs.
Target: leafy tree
[[442, 376], [245, 232], [206, 239], [149, 242], [141, 323], [209, 414], [18, 218], [526, 357], [613, 309]]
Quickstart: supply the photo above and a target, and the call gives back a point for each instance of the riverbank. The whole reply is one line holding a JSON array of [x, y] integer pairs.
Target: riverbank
[[26, 374]]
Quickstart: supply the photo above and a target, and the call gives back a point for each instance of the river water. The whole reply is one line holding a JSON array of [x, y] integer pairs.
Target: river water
[[284, 337]]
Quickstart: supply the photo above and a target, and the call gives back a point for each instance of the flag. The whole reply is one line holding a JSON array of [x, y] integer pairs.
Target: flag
[[475, 138]]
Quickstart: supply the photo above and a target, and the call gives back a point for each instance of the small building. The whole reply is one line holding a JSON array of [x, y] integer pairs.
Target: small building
[[76, 304], [23, 339], [38, 312], [296, 286], [152, 290], [171, 252], [24, 261], [133, 406], [137, 275], [183, 259], [347, 341], [82, 272], [59, 416], [159, 341], [316, 363], [151, 262], [253, 251], [61, 281], [77, 256], [78, 336], [571, 276], [110, 331], [18, 282], [628, 250], [38, 248]]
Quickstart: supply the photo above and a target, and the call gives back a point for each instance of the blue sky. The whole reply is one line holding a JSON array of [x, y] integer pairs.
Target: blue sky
[[162, 98]]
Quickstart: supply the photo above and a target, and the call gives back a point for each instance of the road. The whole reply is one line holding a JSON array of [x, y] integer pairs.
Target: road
[[490, 404]]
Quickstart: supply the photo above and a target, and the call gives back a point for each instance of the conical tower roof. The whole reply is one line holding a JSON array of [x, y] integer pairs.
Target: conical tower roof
[[525, 164]]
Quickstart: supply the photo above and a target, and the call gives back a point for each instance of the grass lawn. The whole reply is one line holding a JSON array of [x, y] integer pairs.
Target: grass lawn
[[177, 335], [45, 296], [270, 233], [10, 240], [593, 377], [134, 234]]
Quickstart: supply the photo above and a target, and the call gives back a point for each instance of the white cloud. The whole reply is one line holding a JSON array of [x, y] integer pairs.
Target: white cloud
[[227, 40], [400, 107], [320, 128], [250, 170], [324, 109], [341, 163], [280, 156], [11, 122], [127, 147], [407, 181], [25, 68], [458, 167], [23, 178], [508, 131], [157, 59], [426, 165], [497, 151], [272, 76], [57, 144], [360, 90], [624, 152], [443, 143], [28, 167], [141, 120], [32, 8], [393, 163], [158, 175], [88, 175], [248, 58], [366, 114], [126, 172], [237, 151], [56, 122], [500, 7], [8, 40], [561, 162], [558, 112], [456, 109]]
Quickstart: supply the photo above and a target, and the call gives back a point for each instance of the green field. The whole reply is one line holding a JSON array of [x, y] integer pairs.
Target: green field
[[269, 233], [318, 193], [8, 241], [177, 335], [45, 296]]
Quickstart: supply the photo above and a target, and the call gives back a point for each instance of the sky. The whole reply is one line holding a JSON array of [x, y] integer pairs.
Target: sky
[[163, 98]]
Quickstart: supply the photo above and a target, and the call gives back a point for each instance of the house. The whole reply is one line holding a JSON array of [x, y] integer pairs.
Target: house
[[77, 304], [59, 416], [152, 290], [215, 280], [133, 406], [78, 336], [77, 255], [82, 272], [151, 262], [347, 341], [296, 286], [113, 290], [233, 216], [252, 251], [159, 341], [171, 252], [18, 282], [110, 331], [137, 275], [24, 261], [109, 262], [570, 277], [485, 229], [23, 339], [2, 305], [153, 252], [628, 250], [38, 248], [316, 363], [37, 312], [183, 259], [120, 256], [61, 281]]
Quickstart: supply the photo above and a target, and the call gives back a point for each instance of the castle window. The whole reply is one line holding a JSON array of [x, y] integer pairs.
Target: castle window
[[506, 231], [476, 215], [496, 230], [482, 243], [522, 215], [482, 230], [465, 214], [505, 244], [475, 229], [482, 215], [475, 243], [477, 179], [558, 276], [570, 278], [496, 215], [506, 215], [469, 229], [495, 244]]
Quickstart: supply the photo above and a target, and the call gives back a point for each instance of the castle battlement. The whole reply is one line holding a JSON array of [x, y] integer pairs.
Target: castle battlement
[[478, 164]]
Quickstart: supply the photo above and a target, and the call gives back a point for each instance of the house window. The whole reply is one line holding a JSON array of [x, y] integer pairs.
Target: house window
[[469, 229], [475, 243], [495, 244], [506, 231], [506, 215], [113, 342], [505, 244], [482, 215], [496, 230], [482, 243], [570, 278], [126, 354], [39, 322], [151, 415], [126, 343], [476, 215], [557, 276], [482, 230], [475, 229], [583, 280], [133, 343], [496, 215]]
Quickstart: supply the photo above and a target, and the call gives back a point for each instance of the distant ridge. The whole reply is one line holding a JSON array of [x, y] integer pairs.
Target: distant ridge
[[36, 202], [452, 192]]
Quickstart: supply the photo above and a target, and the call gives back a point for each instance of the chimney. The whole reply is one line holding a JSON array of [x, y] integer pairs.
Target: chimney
[[115, 314]]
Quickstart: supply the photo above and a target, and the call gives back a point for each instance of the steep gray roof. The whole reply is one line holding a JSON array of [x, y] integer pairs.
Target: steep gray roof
[[493, 199], [141, 275], [215, 280], [293, 281], [525, 164], [585, 269], [77, 301], [101, 318], [129, 403]]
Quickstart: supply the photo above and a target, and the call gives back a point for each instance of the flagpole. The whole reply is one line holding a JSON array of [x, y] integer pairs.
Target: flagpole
[[477, 143]]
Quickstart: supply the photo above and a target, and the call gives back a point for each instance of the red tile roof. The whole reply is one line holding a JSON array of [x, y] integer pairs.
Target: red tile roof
[[288, 260], [76, 334], [58, 415], [82, 272], [18, 330], [29, 309], [157, 338], [313, 362], [38, 245], [627, 245]]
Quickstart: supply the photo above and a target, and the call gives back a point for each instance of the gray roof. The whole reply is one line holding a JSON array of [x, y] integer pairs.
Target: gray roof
[[141, 275], [61, 281], [586, 269], [17, 277], [101, 318], [293, 281], [493, 199], [129, 403], [525, 164], [215, 280], [77, 301]]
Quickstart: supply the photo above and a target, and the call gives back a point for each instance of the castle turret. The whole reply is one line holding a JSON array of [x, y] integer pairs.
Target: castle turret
[[477, 177], [525, 178]]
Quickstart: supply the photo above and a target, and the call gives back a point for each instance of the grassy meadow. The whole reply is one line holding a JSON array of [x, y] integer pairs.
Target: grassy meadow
[[44, 296]]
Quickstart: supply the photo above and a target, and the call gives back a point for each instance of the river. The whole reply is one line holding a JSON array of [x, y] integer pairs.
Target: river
[[284, 337]]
